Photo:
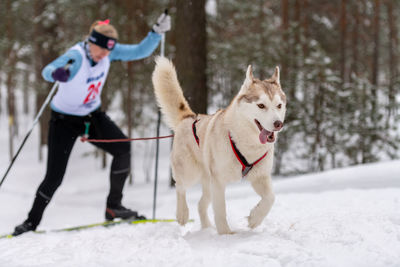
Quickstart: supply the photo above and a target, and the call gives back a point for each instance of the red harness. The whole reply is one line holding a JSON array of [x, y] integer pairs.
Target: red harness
[[194, 132], [246, 167]]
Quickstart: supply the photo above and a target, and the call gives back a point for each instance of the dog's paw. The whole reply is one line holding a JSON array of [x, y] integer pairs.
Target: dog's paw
[[226, 232], [254, 219], [205, 224], [182, 216], [205, 221], [182, 220]]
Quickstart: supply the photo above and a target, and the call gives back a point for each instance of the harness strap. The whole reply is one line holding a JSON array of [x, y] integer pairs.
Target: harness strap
[[246, 167], [194, 132]]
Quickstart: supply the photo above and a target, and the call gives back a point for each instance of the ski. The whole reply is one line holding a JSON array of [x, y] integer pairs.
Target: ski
[[102, 224]]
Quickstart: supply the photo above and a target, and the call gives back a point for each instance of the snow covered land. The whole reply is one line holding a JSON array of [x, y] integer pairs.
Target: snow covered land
[[345, 217]]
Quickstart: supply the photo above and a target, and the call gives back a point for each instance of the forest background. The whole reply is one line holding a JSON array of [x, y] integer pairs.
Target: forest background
[[338, 59]]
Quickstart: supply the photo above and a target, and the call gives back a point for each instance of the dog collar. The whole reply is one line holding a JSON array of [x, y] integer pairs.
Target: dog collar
[[246, 167]]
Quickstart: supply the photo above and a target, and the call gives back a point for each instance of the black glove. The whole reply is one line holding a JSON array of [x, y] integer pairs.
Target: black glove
[[61, 74]]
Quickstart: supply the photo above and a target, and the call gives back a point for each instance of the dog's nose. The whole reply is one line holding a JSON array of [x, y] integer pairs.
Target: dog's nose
[[278, 125]]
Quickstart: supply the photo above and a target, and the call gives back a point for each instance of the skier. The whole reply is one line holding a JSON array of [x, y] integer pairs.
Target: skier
[[76, 106]]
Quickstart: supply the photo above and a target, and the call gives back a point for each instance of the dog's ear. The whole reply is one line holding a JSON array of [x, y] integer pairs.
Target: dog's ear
[[249, 76], [275, 76], [249, 73]]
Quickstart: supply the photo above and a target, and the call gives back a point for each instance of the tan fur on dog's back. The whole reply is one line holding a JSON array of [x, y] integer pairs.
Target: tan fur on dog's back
[[169, 93]]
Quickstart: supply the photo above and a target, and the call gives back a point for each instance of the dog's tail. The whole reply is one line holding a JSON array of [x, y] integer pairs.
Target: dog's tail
[[169, 93]]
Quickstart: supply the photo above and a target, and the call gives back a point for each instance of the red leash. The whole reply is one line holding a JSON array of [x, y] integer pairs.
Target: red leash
[[83, 139]]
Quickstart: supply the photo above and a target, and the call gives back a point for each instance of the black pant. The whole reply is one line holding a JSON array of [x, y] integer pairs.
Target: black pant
[[63, 132]]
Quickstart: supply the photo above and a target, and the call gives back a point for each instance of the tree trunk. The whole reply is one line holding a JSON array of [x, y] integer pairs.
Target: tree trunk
[[375, 60], [1, 82], [191, 58], [38, 62], [290, 84], [364, 141], [286, 58], [355, 37], [305, 27], [11, 110], [296, 48], [393, 65], [26, 93], [343, 35], [11, 55], [318, 119], [263, 40]]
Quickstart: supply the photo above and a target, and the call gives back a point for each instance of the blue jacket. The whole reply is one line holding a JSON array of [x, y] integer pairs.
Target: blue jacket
[[124, 52]]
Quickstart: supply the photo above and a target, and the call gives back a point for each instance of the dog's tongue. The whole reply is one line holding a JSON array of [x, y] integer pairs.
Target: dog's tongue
[[264, 136]]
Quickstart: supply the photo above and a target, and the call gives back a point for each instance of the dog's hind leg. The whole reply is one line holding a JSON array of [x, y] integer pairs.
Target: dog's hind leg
[[204, 202], [182, 210], [263, 188], [219, 206]]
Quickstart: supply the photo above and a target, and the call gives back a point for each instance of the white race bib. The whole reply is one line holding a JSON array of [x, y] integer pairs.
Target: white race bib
[[81, 95]]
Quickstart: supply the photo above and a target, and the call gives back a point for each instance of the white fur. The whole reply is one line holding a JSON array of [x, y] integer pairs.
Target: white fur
[[213, 163]]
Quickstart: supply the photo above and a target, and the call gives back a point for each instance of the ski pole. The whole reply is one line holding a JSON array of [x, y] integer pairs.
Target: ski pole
[[35, 121], [158, 133]]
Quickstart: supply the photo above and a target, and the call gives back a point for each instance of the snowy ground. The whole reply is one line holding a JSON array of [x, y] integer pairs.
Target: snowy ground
[[347, 217]]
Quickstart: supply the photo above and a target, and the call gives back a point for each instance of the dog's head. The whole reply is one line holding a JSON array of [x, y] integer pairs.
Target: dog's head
[[263, 103]]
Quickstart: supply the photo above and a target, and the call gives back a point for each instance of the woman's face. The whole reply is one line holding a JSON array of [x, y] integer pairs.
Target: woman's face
[[97, 53]]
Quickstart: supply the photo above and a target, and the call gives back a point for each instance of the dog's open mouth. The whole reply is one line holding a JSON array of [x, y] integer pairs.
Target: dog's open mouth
[[265, 136]]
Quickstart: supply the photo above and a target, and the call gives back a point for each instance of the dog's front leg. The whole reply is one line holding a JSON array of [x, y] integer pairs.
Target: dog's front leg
[[263, 188], [219, 207], [182, 210]]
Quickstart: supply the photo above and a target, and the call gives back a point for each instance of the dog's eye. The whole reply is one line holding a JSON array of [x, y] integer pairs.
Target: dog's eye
[[279, 106], [261, 106]]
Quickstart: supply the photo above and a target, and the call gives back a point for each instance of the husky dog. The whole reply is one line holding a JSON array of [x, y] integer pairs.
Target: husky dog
[[227, 146]]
